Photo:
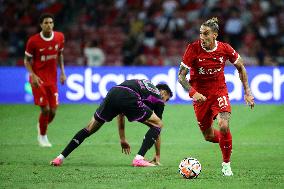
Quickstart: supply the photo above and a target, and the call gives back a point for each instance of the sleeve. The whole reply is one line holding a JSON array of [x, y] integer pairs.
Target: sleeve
[[233, 56], [62, 42], [188, 56], [30, 48]]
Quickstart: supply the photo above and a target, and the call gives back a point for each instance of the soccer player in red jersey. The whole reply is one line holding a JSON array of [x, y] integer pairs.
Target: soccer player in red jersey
[[43, 50], [205, 60]]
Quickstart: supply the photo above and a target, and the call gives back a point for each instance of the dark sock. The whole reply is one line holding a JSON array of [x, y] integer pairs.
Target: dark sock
[[149, 139], [75, 142]]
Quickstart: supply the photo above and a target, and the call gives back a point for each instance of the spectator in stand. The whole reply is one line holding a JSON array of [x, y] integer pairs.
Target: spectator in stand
[[234, 27], [266, 18], [94, 54]]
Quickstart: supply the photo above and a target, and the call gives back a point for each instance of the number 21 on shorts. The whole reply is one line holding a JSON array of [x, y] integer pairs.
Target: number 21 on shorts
[[223, 101]]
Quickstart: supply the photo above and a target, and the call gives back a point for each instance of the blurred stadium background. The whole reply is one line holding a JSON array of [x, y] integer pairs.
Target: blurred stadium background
[[105, 39], [144, 32]]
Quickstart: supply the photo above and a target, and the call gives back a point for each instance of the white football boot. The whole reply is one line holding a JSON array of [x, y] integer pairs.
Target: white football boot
[[42, 139], [226, 170]]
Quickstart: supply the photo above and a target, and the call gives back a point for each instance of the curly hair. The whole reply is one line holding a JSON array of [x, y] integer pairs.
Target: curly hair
[[212, 23], [45, 15]]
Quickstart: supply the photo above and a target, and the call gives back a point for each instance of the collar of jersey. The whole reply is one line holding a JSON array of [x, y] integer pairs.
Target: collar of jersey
[[47, 39], [212, 50]]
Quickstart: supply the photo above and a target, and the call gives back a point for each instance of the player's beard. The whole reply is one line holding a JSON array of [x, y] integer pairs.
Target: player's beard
[[206, 44], [47, 32]]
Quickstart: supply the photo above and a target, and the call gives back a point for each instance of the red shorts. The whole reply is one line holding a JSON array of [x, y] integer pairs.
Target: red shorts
[[207, 111], [46, 95]]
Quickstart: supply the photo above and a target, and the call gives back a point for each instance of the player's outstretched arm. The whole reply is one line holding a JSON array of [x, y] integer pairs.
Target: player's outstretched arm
[[62, 70], [156, 159], [244, 79], [125, 147]]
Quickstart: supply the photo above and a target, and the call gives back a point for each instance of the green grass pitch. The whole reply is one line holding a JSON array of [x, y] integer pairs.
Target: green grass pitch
[[257, 159]]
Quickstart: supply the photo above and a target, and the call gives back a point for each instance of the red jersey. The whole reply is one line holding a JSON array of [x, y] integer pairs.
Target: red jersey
[[44, 52], [207, 66]]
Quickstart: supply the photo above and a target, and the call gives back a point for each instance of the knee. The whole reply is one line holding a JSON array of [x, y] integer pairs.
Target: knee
[[52, 112], [160, 124], [224, 126], [209, 138], [45, 111], [157, 123]]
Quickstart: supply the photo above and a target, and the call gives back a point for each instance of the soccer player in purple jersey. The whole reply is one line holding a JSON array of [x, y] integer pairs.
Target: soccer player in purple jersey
[[138, 100]]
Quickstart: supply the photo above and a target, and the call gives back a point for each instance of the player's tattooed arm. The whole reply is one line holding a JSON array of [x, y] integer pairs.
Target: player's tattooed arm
[[183, 71], [35, 80], [243, 75], [244, 79]]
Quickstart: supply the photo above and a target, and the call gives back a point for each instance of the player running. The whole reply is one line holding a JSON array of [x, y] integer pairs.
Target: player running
[[41, 55], [138, 100], [206, 58]]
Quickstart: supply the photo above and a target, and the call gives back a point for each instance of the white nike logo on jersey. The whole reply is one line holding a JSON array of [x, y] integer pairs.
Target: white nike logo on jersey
[[41, 49]]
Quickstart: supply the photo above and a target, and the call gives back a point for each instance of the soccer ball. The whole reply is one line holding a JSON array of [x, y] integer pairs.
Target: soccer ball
[[189, 168]]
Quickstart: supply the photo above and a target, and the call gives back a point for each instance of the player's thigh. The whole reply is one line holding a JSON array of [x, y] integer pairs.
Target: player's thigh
[[52, 95], [203, 114], [109, 108], [40, 95], [221, 109], [134, 108], [221, 104], [154, 120]]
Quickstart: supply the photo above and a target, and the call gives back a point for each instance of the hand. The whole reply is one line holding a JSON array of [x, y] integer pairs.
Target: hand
[[156, 160], [125, 147], [198, 97], [62, 79], [36, 81], [249, 100]]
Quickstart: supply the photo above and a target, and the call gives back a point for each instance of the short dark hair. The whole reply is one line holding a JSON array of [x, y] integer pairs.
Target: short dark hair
[[212, 23], [166, 88], [45, 15]]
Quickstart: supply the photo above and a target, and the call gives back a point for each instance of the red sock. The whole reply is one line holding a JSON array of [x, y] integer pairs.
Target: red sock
[[43, 122], [216, 138], [226, 145]]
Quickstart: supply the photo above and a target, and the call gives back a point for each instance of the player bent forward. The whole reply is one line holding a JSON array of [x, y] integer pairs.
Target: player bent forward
[[138, 100], [206, 58]]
